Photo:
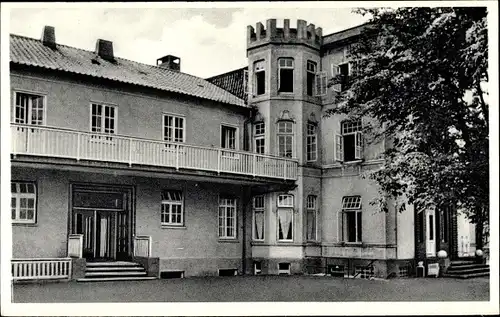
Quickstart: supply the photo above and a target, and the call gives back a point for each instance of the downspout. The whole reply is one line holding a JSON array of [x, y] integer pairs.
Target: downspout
[[247, 136]]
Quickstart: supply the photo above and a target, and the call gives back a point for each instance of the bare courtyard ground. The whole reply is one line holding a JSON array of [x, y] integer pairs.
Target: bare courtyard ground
[[256, 288]]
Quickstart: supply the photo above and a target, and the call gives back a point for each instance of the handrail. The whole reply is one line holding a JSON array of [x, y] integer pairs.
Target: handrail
[[81, 145], [365, 267], [174, 144]]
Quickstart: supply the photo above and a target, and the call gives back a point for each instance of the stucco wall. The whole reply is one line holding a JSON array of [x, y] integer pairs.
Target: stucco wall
[[197, 240], [139, 114], [337, 185]]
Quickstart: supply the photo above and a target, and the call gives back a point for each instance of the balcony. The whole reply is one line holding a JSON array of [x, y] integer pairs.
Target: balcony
[[86, 146]]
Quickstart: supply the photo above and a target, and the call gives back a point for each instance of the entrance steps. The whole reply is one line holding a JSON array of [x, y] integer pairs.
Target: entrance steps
[[114, 271], [467, 269]]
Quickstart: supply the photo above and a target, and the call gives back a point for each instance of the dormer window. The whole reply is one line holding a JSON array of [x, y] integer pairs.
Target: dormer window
[[259, 71], [285, 74]]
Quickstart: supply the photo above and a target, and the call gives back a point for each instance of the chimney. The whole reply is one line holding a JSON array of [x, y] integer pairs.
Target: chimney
[[104, 49], [49, 36], [169, 62]]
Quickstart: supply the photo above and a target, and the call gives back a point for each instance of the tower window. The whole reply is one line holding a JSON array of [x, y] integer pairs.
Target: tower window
[[285, 70], [259, 78], [311, 75]]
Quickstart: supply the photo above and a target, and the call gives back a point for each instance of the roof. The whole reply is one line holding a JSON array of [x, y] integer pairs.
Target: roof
[[232, 81], [31, 52], [345, 34]]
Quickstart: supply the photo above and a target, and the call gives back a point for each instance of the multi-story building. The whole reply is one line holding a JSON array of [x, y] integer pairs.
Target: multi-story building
[[114, 160]]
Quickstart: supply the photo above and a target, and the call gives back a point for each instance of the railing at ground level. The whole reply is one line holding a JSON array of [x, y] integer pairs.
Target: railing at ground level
[[41, 269], [66, 143], [142, 246]]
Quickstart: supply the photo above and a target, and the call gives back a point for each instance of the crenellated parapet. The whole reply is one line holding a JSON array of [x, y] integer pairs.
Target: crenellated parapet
[[304, 34]]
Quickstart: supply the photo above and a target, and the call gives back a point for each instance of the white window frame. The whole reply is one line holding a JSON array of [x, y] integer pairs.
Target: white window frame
[[168, 200], [257, 208], [236, 136], [285, 134], [352, 204], [312, 207], [311, 68], [311, 139], [355, 130], [259, 66], [18, 196], [321, 84], [174, 127], [226, 202], [285, 203], [103, 118], [286, 66], [29, 109], [259, 135]]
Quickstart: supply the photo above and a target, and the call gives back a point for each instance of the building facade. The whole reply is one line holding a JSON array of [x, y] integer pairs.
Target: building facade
[[241, 173]]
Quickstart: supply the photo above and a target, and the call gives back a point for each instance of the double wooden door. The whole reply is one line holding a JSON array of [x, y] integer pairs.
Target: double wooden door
[[105, 230]]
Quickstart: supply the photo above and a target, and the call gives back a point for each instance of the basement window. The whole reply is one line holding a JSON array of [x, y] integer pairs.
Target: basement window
[[283, 268], [228, 272], [257, 268], [172, 274]]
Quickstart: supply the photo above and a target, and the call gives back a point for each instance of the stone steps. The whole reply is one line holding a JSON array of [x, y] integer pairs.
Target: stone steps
[[467, 269], [114, 271]]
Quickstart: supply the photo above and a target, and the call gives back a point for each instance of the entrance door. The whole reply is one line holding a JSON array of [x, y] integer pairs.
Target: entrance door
[[431, 233], [99, 233], [103, 220]]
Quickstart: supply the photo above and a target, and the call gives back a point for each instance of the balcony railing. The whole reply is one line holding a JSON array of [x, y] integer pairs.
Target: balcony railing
[[78, 145]]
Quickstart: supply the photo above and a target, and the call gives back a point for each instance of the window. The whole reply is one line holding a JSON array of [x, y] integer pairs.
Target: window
[[351, 223], [172, 211], [173, 128], [285, 218], [228, 137], [259, 137], [103, 118], [343, 72], [285, 74], [23, 202], [311, 142], [285, 138], [258, 217], [311, 209], [227, 218], [311, 75], [349, 144], [259, 69], [29, 109]]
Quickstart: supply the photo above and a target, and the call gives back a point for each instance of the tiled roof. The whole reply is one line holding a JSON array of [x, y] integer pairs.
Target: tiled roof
[[345, 34], [232, 81], [32, 52]]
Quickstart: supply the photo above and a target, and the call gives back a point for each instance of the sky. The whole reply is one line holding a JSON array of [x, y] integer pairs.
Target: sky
[[209, 41]]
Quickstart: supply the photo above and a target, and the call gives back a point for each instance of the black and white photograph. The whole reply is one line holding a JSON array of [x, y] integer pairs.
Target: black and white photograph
[[249, 158]]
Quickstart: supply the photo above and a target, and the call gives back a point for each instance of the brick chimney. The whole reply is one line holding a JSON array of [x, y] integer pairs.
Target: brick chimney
[[170, 62], [104, 49], [49, 36]]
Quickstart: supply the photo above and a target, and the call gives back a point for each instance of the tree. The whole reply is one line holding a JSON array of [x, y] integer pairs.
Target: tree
[[421, 75]]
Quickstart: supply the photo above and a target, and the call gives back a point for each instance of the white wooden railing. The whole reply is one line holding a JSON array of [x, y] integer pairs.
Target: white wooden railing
[[142, 246], [41, 269], [78, 145], [75, 245]]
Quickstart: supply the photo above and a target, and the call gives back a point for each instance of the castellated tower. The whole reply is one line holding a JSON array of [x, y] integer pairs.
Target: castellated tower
[[282, 67]]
